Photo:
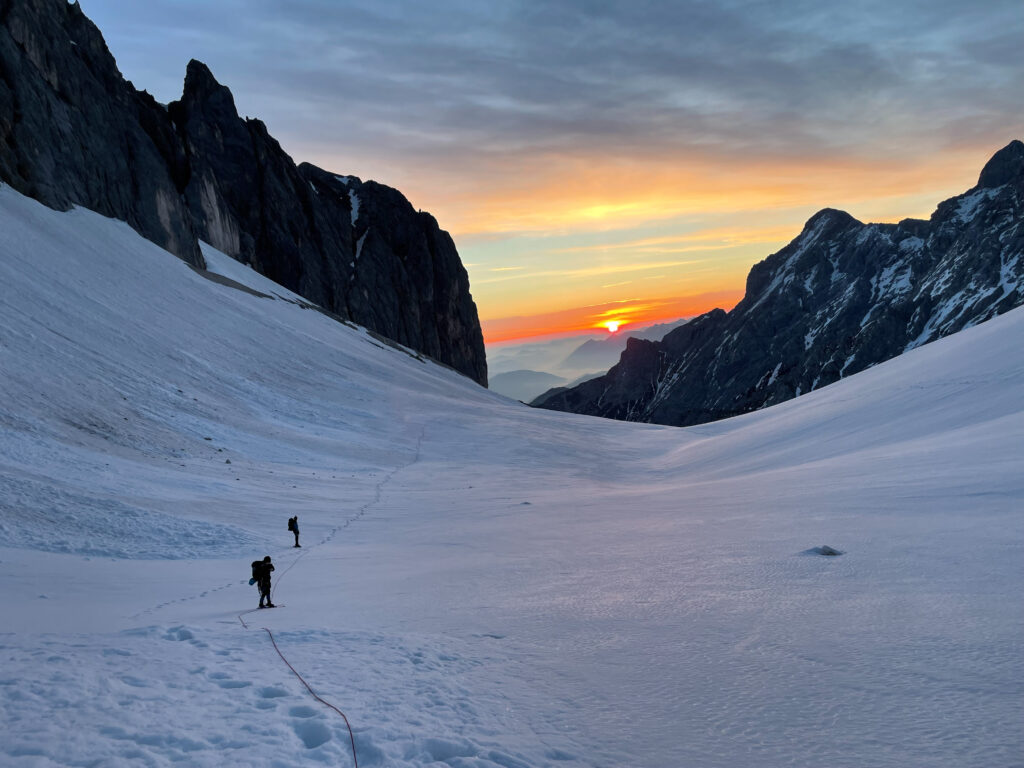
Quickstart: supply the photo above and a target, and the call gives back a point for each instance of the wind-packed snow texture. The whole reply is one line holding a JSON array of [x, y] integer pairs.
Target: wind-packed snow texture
[[480, 584]]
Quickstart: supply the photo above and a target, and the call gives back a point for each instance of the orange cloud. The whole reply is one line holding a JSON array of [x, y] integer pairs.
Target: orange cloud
[[576, 275], [706, 239], [562, 194], [630, 312], [606, 269], [548, 232]]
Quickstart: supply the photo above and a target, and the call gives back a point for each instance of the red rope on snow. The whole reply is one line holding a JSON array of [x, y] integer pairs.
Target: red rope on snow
[[302, 680], [314, 695], [362, 510]]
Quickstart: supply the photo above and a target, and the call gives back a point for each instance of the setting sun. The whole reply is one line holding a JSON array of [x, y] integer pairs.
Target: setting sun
[[612, 326]]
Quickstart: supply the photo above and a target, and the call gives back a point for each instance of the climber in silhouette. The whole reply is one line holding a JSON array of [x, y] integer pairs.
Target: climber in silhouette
[[261, 570], [293, 526]]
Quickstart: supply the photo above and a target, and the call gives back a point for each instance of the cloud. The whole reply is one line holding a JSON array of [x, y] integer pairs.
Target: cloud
[[483, 82], [606, 269], [587, 318], [575, 136], [701, 240]]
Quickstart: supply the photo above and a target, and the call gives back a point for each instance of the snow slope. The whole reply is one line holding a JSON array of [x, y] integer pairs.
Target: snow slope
[[480, 584]]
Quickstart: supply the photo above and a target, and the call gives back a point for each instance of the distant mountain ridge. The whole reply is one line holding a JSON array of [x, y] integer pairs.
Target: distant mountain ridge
[[603, 353], [74, 132], [523, 384], [841, 297]]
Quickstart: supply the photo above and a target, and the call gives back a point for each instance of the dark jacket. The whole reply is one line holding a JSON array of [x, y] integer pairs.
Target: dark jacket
[[261, 571]]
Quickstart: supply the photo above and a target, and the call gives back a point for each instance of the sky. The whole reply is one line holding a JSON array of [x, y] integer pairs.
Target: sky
[[610, 162]]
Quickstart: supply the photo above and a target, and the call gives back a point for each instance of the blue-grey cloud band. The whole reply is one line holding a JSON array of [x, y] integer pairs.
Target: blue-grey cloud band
[[498, 80]]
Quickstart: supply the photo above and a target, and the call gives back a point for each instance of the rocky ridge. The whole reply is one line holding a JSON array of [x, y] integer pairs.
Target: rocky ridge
[[843, 296], [73, 131]]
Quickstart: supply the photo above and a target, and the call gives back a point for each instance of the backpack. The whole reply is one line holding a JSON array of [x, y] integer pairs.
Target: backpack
[[257, 568], [291, 523]]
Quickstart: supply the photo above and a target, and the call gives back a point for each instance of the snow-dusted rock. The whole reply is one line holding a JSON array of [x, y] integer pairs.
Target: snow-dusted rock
[[842, 297]]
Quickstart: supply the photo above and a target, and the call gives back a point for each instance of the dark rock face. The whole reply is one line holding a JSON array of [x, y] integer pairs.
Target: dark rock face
[[843, 296], [74, 132]]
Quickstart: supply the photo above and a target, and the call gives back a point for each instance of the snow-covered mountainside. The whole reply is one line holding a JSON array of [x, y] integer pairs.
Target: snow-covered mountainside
[[480, 583], [842, 297]]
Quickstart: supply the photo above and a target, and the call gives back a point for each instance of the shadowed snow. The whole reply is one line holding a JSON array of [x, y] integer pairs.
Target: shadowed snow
[[480, 584]]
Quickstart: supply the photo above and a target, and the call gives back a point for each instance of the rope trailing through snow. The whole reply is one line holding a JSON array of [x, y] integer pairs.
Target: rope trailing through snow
[[302, 680], [314, 695], [362, 511]]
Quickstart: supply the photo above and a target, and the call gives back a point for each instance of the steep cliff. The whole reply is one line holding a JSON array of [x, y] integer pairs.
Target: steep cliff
[[74, 132]]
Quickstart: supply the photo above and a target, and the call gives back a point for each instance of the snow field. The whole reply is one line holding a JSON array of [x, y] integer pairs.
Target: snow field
[[480, 584]]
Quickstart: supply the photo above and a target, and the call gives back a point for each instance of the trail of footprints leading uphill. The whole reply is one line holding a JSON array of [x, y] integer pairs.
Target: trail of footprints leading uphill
[[378, 494], [359, 514]]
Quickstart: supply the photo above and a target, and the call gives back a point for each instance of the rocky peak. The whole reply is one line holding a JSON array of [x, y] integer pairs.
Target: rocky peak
[[74, 132], [202, 92], [841, 297], [802, 258], [827, 221], [1006, 165]]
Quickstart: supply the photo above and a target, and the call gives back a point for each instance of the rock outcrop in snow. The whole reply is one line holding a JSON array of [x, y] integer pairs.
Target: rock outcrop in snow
[[843, 296], [74, 132]]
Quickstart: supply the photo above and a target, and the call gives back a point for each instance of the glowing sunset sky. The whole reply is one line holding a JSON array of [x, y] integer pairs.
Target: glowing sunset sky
[[596, 161]]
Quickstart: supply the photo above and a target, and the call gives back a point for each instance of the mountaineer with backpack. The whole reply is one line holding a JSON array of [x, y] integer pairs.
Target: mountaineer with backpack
[[261, 570], [293, 526]]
